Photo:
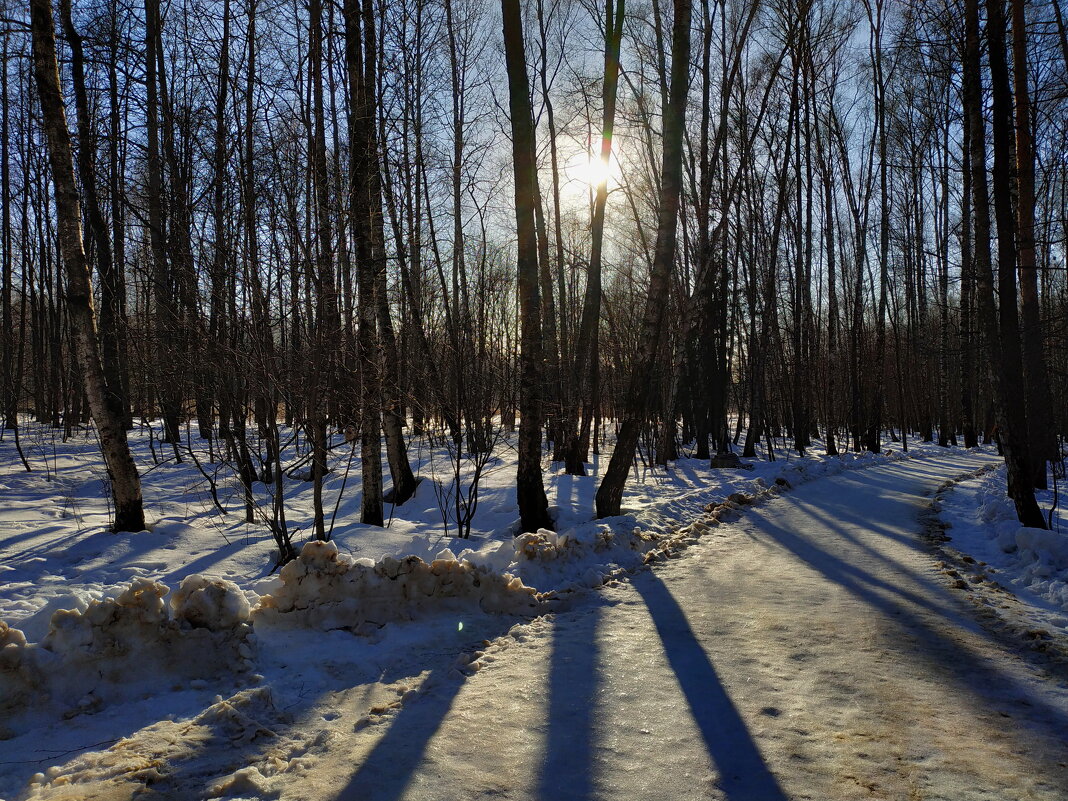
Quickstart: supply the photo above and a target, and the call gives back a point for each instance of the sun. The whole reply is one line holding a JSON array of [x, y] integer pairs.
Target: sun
[[590, 170]]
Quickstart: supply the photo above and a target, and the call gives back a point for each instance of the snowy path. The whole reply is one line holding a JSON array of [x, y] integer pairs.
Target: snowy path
[[811, 650]]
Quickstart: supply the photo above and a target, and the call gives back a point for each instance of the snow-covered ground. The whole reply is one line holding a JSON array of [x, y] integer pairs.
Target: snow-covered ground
[[986, 536], [56, 553], [199, 677], [811, 650]]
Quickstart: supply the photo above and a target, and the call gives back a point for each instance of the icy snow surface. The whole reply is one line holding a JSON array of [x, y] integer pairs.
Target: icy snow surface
[[809, 650]]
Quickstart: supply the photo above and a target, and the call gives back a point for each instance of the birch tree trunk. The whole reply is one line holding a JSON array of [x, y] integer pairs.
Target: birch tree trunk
[[125, 482], [610, 492]]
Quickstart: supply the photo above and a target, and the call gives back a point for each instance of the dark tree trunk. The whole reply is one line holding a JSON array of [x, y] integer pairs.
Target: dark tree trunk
[[1002, 336], [587, 352], [8, 386], [404, 482], [968, 334], [530, 491], [610, 492], [168, 324], [1039, 406], [361, 163]]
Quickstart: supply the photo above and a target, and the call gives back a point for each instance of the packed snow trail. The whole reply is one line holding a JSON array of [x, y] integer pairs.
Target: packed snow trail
[[810, 651]]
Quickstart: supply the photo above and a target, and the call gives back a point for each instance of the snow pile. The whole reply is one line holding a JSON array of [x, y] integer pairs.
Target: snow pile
[[1043, 558], [206, 616], [585, 556], [582, 541], [983, 523], [245, 782], [209, 603], [112, 626], [589, 554], [326, 589], [158, 757], [84, 661], [10, 637], [37, 625], [18, 675]]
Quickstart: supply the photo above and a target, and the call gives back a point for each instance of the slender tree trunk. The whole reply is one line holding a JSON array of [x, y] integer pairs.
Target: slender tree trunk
[[586, 348], [457, 315], [610, 492], [946, 432], [118, 340], [873, 431], [400, 469], [167, 323], [327, 328], [968, 335], [530, 491], [827, 177], [7, 333], [98, 229], [1039, 405], [125, 482], [361, 127], [558, 338]]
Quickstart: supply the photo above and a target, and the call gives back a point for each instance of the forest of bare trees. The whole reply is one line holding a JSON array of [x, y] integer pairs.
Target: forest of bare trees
[[567, 227]]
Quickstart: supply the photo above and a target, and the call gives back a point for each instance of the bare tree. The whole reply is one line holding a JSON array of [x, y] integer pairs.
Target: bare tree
[[610, 492], [125, 482], [1002, 335], [530, 491]]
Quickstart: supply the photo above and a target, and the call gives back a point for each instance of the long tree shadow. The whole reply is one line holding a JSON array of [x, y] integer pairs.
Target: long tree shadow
[[952, 657], [573, 678], [743, 773], [839, 523], [566, 773], [388, 769], [841, 570]]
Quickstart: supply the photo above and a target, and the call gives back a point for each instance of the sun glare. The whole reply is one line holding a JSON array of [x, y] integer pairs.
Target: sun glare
[[588, 169]]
